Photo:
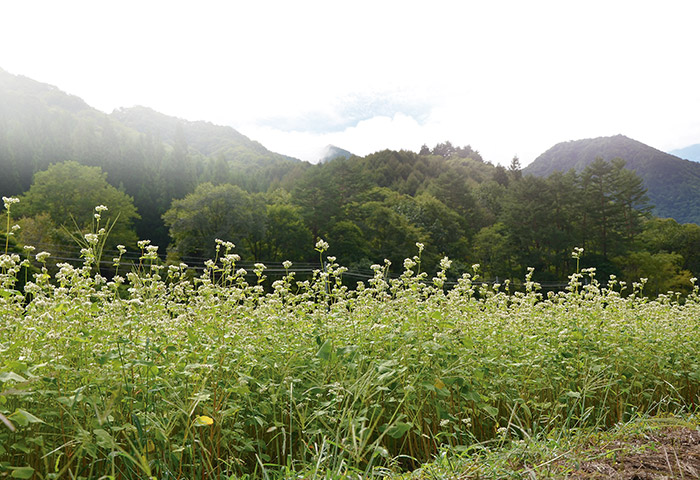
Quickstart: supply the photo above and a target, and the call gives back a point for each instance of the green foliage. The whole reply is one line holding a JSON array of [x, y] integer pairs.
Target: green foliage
[[665, 235], [172, 374], [286, 236], [602, 209], [493, 251], [662, 271], [273, 231], [63, 198], [213, 212], [151, 157], [386, 232]]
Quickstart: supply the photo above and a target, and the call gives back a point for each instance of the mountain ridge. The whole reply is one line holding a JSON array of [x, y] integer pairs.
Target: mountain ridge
[[205, 137], [331, 152], [673, 184]]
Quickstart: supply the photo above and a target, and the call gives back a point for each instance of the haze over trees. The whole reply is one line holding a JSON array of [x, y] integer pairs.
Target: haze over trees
[[183, 185]]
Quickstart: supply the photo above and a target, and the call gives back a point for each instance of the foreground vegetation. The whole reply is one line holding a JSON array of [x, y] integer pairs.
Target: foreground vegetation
[[161, 372]]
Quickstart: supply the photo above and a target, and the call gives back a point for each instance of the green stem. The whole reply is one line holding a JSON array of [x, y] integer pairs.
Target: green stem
[[7, 233]]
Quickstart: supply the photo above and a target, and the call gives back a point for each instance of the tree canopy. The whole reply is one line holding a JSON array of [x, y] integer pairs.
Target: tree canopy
[[64, 197]]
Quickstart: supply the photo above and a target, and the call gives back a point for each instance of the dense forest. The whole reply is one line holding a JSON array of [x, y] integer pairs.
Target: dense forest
[[183, 185], [673, 184]]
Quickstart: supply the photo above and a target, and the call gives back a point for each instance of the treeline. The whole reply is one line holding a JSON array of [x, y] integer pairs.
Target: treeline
[[379, 206], [183, 185]]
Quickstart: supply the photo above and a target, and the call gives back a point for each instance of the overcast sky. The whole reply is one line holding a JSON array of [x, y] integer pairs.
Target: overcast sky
[[506, 77]]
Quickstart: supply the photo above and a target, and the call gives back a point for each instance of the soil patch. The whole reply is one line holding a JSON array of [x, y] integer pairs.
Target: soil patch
[[668, 453]]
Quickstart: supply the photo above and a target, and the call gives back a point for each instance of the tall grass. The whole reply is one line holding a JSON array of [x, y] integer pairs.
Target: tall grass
[[162, 373]]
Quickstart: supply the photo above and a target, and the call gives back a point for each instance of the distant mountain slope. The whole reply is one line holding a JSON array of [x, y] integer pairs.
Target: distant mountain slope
[[18, 89], [152, 157], [673, 184], [331, 152], [204, 137], [689, 153], [40, 125]]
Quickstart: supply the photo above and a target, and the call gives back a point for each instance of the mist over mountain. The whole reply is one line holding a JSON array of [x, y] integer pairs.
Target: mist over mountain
[[331, 152], [204, 137], [673, 184], [150, 156]]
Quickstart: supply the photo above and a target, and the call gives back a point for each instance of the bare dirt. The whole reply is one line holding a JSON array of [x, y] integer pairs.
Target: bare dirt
[[668, 453]]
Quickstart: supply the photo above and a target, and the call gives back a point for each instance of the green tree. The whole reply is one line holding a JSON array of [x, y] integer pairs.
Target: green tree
[[442, 227], [318, 196], [565, 219], [663, 271], [515, 169], [494, 252], [529, 219], [614, 202], [389, 234], [286, 235], [665, 235], [601, 223], [348, 244], [67, 193], [452, 189], [631, 198], [224, 212]]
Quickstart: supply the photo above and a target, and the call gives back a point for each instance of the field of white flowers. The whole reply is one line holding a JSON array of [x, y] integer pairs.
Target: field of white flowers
[[162, 372]]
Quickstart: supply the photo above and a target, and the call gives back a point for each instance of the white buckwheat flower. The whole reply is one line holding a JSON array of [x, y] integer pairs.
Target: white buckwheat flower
[[322, 245], [42, 256], [9, 201], [91, 238]]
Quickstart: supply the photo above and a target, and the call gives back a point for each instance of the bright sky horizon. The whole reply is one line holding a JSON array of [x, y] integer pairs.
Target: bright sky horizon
[[506, 77]]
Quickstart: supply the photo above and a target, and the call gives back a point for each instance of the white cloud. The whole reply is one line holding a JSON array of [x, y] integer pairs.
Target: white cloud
[[506, 77], [368, 136]]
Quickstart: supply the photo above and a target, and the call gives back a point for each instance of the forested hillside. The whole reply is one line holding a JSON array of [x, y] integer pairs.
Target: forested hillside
[[227, 155], [673, 184], [184, 185], [149, 156]]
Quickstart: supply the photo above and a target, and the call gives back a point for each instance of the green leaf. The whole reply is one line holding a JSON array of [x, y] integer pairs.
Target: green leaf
[[493, 411], [22, 472], [5, 293], [324, 353], [5, 376], [16, 366], [20, 447], [24, 418], [104, 439], [399, 429], [72, 400]]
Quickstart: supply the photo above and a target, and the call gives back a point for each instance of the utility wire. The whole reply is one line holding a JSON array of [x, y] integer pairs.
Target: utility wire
[[63, 253]]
